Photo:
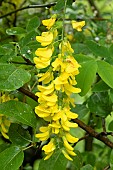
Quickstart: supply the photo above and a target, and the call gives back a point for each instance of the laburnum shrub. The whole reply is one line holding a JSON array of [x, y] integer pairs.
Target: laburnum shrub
[[57, 84]]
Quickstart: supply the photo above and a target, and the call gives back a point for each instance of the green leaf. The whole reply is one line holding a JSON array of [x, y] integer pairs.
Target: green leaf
[[86, 76], [28, 38], [111, 51], [83, 58], [100, 104], [69, 2], [80, 48], [2, 51], [18, 135], [81, 110], [8, 48], [105, 71], [60, 5], [110, 126], [111, 95], [4, 146], [101, 86], [27, 53], [77, 161], [15, 31], [90, 158], [33, 23], [56, 162], [87, 167], [111, 157], [11, 77], [97, 49], [11, 158], [21, 112], [109, 58]]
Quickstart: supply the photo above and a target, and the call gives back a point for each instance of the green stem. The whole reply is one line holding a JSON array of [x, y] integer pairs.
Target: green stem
[[63, 25]]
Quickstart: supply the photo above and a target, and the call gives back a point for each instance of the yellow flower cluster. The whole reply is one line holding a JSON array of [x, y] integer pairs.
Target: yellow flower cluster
[[4, 121], [54, 95]]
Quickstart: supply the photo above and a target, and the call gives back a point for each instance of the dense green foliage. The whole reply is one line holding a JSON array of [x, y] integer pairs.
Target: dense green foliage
[[93, 49]]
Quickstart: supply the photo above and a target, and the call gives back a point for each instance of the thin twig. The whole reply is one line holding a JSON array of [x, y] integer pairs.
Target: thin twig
[[28, 61], [103, 124], [16, 62], [106, 133], [82, 138], [93, 133], [30, 6], [28, 93]]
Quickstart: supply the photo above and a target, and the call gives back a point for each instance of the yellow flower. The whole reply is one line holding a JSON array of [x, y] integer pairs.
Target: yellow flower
[[78, 25], [71, 138], [5, 124], [68, 149], [66, 124], [57, 115], [65, 47], [40, 64], [45, 39], [70, 37], [71, 152], [47, 99], [69, 114], [4, 98], [70, 89], [55, 127], [67, 145], [58, 65], [66, 155], [49, 149], [50, 98], [60, 81], [44, 135], [41, 111], [46, 77], [46, 89], [72, 65], [44, 52], [49, 22]]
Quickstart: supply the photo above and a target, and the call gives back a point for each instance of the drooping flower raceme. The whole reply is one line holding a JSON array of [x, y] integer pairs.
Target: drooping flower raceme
[[54, 95]]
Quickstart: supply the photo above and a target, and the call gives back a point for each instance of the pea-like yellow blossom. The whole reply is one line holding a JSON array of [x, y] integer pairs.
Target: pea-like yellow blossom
[[44, 52], [44, 57], [71, 138], [65, 47], [45, 78], [49, 149], [40, 64], [49, 22], [45, 39], [78, 25], [44, 135], [66, 155], [58, 65]]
